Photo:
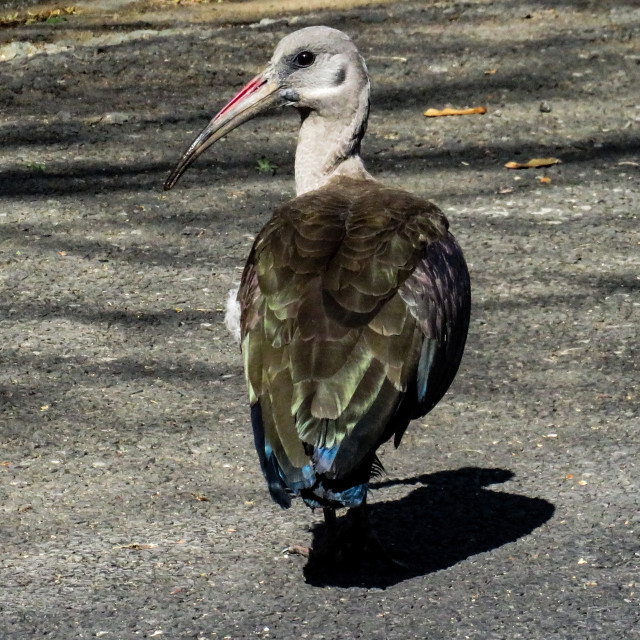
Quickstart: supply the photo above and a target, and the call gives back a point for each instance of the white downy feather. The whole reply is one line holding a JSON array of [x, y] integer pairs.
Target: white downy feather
[[232, 314]]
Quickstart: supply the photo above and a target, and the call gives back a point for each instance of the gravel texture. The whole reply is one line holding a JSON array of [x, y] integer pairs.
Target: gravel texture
[[132, 505]]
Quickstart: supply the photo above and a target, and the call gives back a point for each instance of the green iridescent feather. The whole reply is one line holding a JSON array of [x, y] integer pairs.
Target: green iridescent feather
[[332, 338]]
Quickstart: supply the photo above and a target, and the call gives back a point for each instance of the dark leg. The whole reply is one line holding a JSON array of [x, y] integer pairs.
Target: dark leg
[[331, 539], [354, 543], [363, 544], [366, 543], [330, 523]]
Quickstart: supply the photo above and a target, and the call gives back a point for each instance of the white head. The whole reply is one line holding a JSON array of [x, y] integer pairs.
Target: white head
[[321, 69], [319, 72]]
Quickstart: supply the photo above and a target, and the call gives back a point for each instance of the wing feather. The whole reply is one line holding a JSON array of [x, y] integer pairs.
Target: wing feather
[[353, 308]]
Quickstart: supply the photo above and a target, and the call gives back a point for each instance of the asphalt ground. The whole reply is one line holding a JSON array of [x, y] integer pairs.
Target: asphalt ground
[[132, 502]]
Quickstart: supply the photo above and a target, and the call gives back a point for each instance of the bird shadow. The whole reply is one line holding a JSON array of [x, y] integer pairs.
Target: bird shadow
[[451, 516]]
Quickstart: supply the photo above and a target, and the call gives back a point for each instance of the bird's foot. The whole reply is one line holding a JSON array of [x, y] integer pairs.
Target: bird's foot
[[356, 545], [372, 551], [297, 550]]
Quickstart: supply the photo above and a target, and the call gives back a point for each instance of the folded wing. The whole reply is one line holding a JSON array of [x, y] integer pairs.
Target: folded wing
[[355, 306]]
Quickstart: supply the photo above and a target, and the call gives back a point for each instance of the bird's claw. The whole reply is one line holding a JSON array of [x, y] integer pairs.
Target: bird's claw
[[354, 547], [297, 550]]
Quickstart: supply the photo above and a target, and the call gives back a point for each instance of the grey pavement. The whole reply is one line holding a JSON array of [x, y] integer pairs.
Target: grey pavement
[[132, 505]]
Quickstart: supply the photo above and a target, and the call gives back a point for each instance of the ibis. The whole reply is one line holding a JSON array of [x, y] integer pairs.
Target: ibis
[[354, 300]]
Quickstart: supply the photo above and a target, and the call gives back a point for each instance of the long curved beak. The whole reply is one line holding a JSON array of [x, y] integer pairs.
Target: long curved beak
[[257, 96]]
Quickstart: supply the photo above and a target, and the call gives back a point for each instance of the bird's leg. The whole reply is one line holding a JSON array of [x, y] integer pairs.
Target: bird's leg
[[330, 523], [361, 543], [353, 543], [329, 550], [331, 537]]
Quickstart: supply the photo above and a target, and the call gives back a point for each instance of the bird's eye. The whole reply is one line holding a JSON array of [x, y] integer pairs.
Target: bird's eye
[[304, 59]]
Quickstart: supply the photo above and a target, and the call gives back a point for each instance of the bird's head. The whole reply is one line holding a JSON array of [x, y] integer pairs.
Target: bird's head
[[316, 70]]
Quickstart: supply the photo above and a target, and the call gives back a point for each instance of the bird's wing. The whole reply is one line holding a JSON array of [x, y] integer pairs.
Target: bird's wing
[[331, 346], [438, 296]]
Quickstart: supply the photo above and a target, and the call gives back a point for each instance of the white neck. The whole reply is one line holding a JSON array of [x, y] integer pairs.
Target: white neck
[[329, 145]]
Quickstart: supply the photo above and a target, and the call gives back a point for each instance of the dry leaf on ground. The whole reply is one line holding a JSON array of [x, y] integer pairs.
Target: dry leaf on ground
[[434, 113], [534, 163], [52, 16]]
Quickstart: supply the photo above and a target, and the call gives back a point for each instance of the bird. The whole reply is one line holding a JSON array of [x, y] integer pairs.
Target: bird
[[354, 300]]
